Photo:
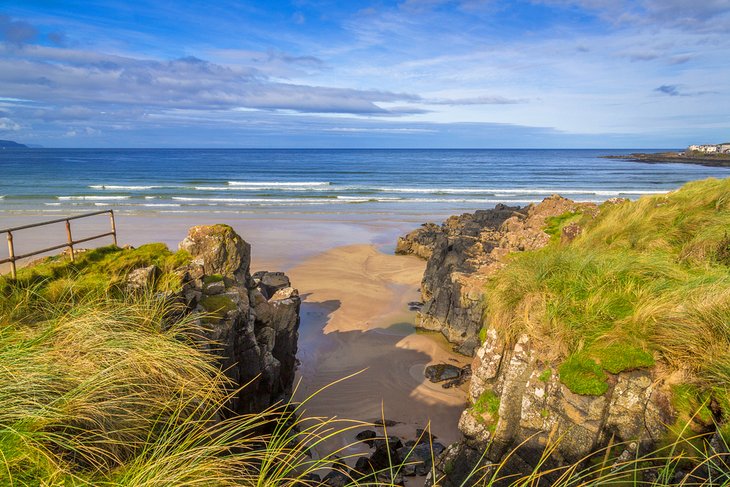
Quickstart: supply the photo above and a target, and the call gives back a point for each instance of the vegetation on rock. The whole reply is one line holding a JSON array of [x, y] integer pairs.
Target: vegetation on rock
[[645, 282], [487, 404]]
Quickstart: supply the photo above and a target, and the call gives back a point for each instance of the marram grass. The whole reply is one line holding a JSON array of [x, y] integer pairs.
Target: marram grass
[[647, 281]]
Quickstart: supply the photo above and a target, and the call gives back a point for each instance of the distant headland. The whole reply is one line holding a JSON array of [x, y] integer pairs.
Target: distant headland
[[715, 155], [9, 144]]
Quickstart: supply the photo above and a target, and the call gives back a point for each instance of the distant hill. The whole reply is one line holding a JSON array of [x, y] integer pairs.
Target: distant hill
[[9, 144]]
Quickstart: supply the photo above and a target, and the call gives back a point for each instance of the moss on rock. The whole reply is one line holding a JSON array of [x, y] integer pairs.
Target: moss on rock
[[217, 306], [582, 375]]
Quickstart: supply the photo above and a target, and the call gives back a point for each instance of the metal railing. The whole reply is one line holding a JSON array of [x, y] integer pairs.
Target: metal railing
[[70, 242]]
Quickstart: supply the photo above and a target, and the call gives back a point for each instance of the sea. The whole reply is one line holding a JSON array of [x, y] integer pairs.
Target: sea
[[389, 182]]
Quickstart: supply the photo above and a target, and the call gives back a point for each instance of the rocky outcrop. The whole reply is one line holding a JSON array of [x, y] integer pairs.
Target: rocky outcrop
[[253, 321], [420, 242], [533, 409], [518, 406], [464, 251], [249, 322], [393, 460]]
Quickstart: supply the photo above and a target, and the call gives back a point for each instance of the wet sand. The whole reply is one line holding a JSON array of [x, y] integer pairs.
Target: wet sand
[[355, 317], [278, 241], [354, 314]]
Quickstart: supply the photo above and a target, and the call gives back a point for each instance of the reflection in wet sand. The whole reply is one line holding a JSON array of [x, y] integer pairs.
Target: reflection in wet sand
[[355, 318]]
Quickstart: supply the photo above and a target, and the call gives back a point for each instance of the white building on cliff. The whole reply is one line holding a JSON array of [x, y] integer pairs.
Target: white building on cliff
[[723, 148]]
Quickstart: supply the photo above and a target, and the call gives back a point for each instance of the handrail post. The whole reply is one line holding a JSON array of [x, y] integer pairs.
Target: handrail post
[[70, 239], [114, 226], [11, 254]]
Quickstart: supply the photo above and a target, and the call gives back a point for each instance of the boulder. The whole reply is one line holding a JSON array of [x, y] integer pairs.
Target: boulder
[[442, 372], [219, 249], [367, 437], [142, 278], [336, 478]]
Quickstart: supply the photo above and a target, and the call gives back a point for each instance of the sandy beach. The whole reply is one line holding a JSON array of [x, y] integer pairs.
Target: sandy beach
[[355, 315], [355, 318]]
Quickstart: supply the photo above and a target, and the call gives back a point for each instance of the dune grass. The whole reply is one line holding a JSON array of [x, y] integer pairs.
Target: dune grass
[[118, 392], [647, 282]]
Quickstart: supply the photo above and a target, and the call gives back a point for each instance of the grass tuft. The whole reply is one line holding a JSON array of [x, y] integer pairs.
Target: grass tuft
[[646, 281]]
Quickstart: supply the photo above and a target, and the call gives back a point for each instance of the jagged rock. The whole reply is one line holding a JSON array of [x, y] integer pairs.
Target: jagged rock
[[367, 437], [535, 408], [424, 436], [219, 249], [336, 479], [419, 242], [271, 282], [386, 452], [142, 278], [385, 478], [460, 465], [254, 337], [421, 456], [363, 468], [464, 251]]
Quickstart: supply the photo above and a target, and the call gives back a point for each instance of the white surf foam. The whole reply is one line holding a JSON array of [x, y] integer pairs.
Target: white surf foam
[[278, 184], [92, 198], [114, 187]]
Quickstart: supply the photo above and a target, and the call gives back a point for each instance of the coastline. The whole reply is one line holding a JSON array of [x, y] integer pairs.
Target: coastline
[[706, 160]]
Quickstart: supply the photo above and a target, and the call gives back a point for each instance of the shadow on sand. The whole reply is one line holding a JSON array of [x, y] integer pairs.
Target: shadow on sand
[[392, 380]]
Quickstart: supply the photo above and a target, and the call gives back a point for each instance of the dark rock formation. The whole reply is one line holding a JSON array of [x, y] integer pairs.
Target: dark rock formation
[[420, 242], [252, 327], [451, 375], [390, 453], [442, 372], [464, 251]]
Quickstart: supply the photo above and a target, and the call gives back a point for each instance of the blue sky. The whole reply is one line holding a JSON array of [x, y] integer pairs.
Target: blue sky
[[411, 73]]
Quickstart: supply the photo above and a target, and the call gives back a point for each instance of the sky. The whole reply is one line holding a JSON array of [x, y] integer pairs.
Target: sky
[[349, 74]]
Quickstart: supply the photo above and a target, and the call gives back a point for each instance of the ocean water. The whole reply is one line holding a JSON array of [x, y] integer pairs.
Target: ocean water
[[150, 181]]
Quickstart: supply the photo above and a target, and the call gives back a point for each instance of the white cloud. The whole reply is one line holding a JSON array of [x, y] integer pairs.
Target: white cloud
[[8, 125]]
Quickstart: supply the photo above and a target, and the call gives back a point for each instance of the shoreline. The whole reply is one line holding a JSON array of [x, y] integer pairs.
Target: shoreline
[[674, 158]]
